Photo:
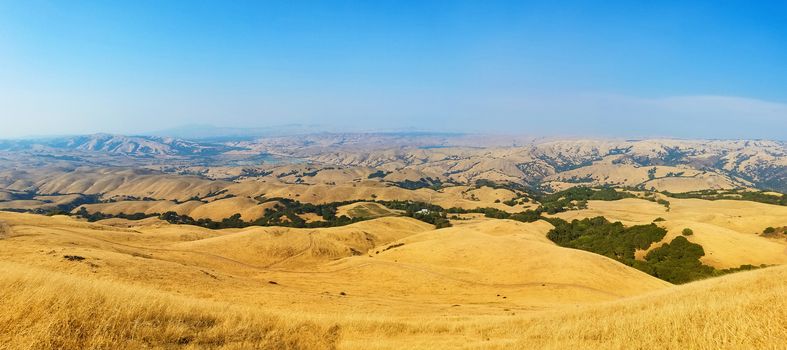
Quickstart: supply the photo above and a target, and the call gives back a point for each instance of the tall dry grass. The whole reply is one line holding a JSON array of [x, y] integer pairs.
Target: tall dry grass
[[746, 310], [741, 311], [44, 310]]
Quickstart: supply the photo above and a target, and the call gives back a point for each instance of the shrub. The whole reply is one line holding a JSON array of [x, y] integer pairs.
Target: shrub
[[378, 173], [73, 257], [524, 216], [678, 262], [769, 230], [600, 236], [687, 232]]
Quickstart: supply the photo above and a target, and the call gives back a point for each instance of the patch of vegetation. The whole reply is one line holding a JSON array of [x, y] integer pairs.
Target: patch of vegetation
[[286, 212], [774, 231], [675, 262], [753, 196], [687, 232], [561, 165], [378, 173], [438, 219], [392, 246], [577, 197], [572, 198], [96, 216], [282, 175], [424, 182], [580, 180], [524, 216], [600, 236], [430, 213]]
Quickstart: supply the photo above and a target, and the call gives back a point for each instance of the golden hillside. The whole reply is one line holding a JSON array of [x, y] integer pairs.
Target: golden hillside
[[740, 311], [386, 283]]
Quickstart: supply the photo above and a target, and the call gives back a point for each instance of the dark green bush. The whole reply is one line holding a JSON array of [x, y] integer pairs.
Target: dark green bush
[[600, 236], [678, 262], [675, 262]]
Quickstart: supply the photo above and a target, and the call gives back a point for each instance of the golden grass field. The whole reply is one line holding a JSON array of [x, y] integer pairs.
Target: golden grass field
[[387, 283]]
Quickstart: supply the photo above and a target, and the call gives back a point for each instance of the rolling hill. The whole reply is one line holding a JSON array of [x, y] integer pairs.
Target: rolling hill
[[383, 283], [677, 165], [331, 241]]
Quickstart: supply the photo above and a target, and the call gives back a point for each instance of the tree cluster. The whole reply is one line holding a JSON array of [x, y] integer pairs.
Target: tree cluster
[[676, 262]]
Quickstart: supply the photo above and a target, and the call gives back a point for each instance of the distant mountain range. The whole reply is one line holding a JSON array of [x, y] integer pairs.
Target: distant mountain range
[[214, 133], [675, 165], [137, 146]]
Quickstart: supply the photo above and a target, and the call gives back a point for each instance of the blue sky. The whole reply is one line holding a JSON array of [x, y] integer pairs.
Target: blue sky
[[713, 69]]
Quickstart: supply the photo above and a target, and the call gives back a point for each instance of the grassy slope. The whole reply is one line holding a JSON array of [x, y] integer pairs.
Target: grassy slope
[[746, 310], [441, 289], [48, 310]]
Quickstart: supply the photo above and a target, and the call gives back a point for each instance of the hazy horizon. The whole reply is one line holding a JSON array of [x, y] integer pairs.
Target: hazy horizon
[[207, 132], [621, 69]]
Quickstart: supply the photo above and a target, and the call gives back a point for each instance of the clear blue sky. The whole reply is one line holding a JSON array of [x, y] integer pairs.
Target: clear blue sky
[[592, 68]]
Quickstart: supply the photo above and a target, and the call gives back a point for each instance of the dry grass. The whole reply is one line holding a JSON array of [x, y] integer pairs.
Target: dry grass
[[364, 210], [147, 287], [45, 310], [741, 311]]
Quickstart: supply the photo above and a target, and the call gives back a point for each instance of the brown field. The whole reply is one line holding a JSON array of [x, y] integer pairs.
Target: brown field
[[387, 283]]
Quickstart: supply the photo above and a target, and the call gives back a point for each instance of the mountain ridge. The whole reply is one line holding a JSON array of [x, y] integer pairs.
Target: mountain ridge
[[457, 158]]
